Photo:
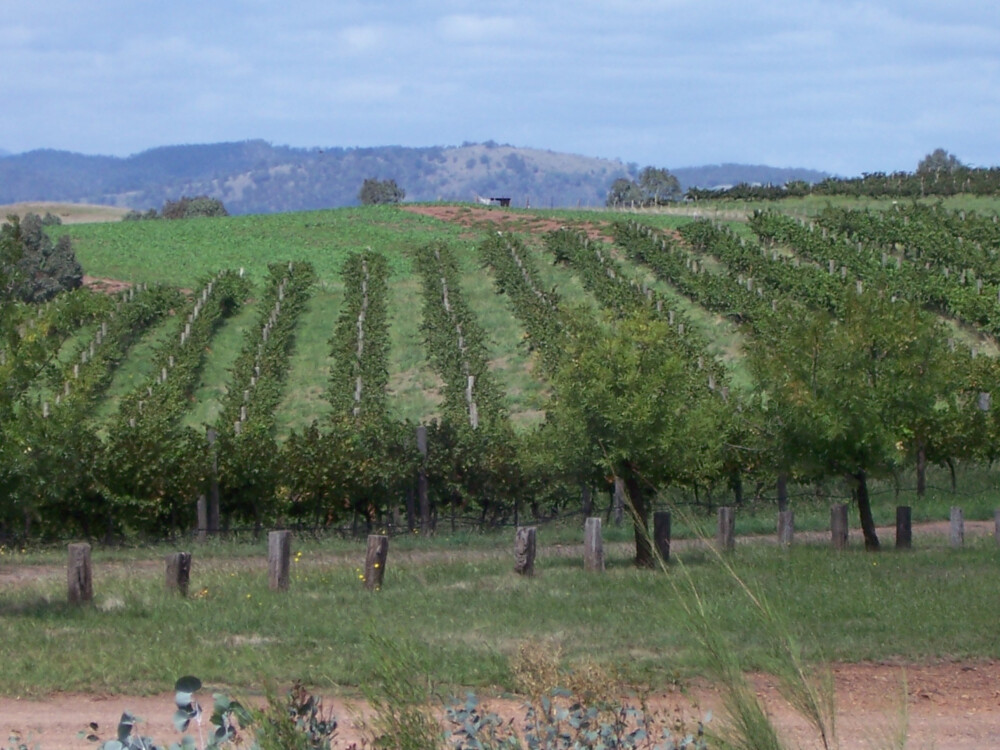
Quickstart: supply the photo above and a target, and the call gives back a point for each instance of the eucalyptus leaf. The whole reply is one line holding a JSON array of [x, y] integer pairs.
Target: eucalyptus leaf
[[188, 684], [181, 720]]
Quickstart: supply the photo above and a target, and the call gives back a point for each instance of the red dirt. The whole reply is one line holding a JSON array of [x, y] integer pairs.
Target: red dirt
[[947, 705], [506, 221], [107, 286]]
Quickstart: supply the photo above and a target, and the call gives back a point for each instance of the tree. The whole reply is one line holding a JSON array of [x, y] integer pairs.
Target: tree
[[850, 396], [658, 185], [189, 208], [629, 400], [375, 192], [624, 192], [939, 160], [32, 267]]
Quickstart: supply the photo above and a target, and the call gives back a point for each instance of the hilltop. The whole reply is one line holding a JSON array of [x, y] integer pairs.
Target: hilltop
[[258, 177]]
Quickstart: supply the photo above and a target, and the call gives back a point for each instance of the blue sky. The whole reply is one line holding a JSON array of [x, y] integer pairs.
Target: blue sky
[[846, 87]]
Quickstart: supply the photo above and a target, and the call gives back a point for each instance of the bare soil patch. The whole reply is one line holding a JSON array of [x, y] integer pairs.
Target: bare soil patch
[[504, 220], [953, 705], [106, 286]]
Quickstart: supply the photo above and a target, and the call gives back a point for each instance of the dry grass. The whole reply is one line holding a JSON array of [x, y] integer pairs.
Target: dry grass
[[70, 213]]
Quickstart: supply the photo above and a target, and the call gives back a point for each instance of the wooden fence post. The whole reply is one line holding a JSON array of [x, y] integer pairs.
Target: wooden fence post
[[179, 572], [279, 555], [593, 546], [996, 525], [957, 528], [661, 534], [786, 527], [838, 526], [375, 559], [904, 527], [725, 535], [524, 551], [79, 577]]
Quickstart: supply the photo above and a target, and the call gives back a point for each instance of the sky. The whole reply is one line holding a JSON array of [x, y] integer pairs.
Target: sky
[[844, 87]]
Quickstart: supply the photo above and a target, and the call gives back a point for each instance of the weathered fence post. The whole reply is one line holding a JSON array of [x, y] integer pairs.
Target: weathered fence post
[[423, 497], [524, 551], [957, 528], [619, 501], [179, 572], [593, 546], [79, 577], [904, 527], [661, 534], [838, 526], [279, 555], [725, 534], [375, 559], [786, 527], [996, 525]]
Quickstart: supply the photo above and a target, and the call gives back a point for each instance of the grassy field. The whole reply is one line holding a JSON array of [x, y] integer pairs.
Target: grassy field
[[456, 606]]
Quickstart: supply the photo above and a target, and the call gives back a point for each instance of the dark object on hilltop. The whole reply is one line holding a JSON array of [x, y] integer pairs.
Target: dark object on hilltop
[[39, 268], [376, 192]]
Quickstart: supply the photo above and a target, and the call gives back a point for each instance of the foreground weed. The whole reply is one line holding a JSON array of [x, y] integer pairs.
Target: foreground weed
[[298, 723], [399, 698], [561, 722], [746, 724]]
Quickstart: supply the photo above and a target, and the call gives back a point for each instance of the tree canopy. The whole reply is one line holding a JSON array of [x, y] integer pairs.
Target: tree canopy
[[851, 396], [658, 185], [939, 160], [654, 186], [376, 192], [34, 268], [628, 401]]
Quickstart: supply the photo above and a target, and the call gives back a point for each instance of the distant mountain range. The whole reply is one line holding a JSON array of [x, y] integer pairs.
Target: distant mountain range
[[257, 177]]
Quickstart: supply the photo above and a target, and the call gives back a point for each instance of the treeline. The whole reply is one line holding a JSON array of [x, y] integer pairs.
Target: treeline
[[920, 184]]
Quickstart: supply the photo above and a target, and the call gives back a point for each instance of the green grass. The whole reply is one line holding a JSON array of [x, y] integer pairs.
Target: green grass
[[226, 346], [181, 252], [136, 368], [463, 608]]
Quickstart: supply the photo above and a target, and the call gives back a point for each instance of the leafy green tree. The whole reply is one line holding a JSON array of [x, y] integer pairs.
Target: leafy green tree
[[630, 401], [189, 208], [939, 160], [375, 192], [851, 397], [34, 268], [658, 185], [624, 192]]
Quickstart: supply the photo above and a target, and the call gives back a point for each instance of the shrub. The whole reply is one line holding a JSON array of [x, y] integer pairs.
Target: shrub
[[377, 192], [41, 268], [187, 208]]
